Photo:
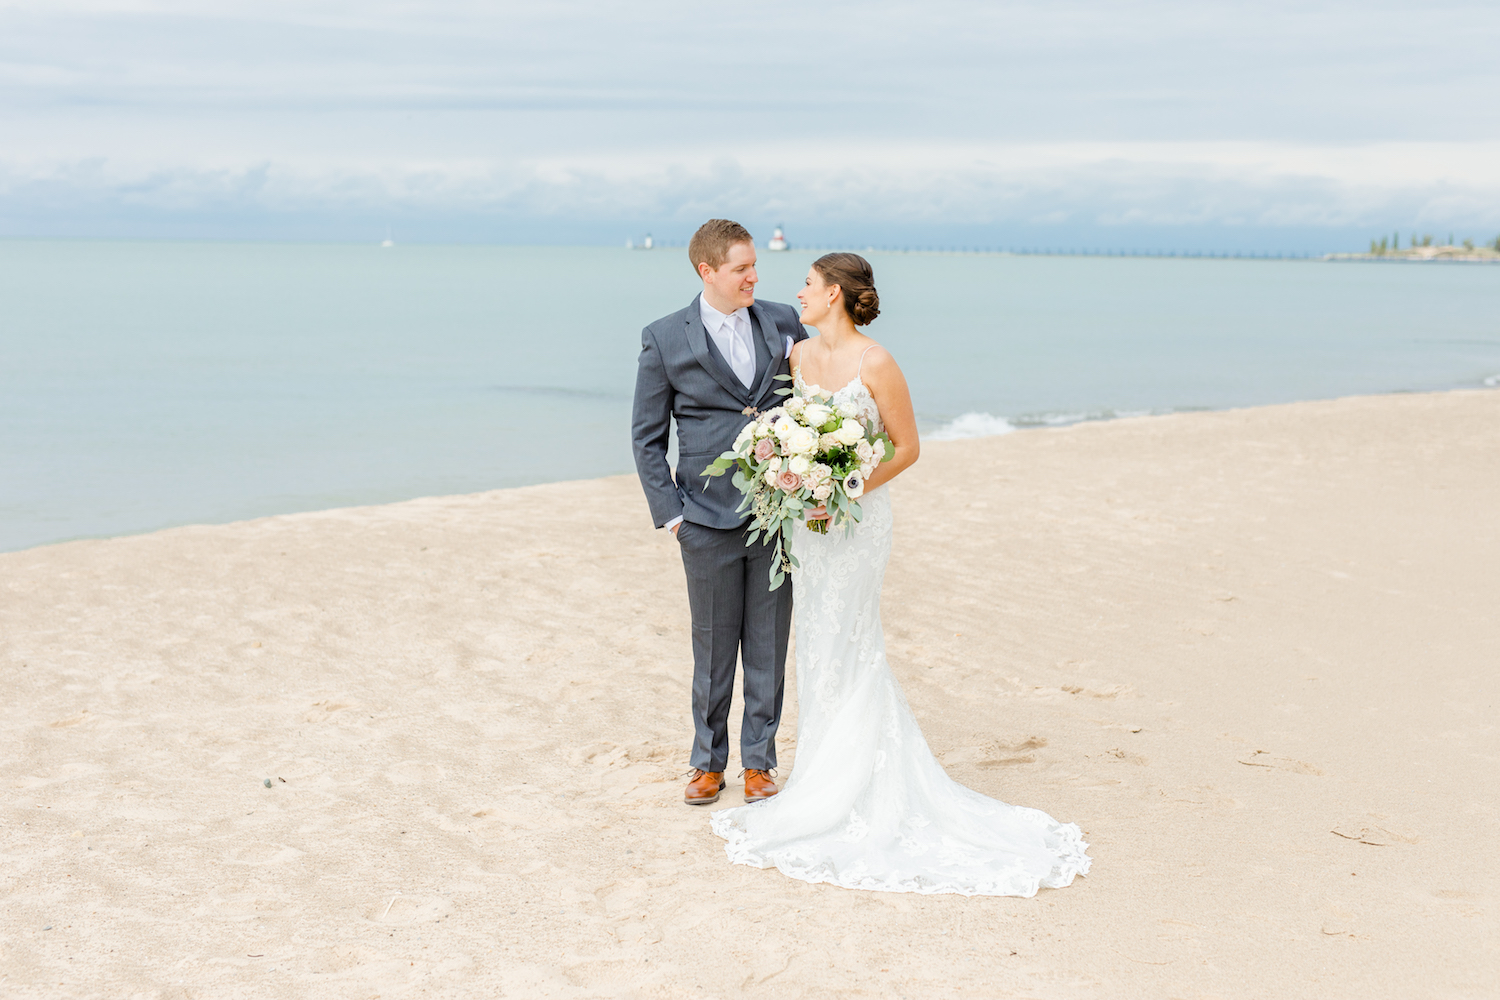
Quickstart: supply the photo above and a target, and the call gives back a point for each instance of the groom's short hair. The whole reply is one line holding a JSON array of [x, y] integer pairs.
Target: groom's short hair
[[710, 244]]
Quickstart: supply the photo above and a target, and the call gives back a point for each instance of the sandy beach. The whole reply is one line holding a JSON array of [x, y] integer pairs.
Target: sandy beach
[[1252, 653]]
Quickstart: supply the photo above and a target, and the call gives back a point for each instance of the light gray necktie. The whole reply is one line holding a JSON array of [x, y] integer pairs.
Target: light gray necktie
[[741, 354]]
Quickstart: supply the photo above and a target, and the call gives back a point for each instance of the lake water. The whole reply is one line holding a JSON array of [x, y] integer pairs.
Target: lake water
[[146, 385]]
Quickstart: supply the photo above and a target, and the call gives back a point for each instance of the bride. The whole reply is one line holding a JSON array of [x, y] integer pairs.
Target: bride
[[867, 806]]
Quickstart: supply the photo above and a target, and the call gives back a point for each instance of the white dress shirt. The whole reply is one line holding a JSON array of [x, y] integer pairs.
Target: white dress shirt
[[732, 336]]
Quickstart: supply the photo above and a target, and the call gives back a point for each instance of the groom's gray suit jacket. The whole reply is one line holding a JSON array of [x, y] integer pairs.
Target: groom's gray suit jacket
[[682, 375]]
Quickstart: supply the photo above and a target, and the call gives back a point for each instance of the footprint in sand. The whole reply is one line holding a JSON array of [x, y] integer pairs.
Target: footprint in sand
[[996, 753], [1263, 758], [73, 720], [1126, 756], [1375, 836], [1108, 692], [1003, 753]]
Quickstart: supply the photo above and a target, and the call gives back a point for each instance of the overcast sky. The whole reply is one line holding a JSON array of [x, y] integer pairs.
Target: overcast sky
[[940, 121]]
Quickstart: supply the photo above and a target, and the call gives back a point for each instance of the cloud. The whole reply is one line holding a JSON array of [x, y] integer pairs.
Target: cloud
[[1100, 184], [1167, 113]]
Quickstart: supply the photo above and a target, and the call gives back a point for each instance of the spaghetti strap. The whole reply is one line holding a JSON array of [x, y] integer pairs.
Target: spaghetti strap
[[861, 369]]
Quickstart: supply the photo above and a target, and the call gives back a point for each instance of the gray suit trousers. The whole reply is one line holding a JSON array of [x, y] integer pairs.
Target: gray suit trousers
[[735, 615]]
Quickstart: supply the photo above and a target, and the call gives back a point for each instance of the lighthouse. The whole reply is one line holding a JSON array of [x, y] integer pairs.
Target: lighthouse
[[778, 241]]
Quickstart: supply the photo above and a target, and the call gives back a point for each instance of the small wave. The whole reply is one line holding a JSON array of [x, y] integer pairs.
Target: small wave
[[972, 425], [1054, 419], [1492, 381], [1069, 419]]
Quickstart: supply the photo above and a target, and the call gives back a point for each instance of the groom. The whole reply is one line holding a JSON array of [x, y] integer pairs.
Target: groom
[[710, 366]]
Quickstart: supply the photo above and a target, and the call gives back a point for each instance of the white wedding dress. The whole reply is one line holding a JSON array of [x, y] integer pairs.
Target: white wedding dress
[[867, 806]]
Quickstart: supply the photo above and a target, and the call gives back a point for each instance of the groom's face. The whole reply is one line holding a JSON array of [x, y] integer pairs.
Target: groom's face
[[732, 285]]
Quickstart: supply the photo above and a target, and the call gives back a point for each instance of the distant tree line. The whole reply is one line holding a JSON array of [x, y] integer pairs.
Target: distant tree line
[[1382, 245]]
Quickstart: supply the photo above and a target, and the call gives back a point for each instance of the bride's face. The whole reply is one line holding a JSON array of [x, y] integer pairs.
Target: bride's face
[[816, 298]]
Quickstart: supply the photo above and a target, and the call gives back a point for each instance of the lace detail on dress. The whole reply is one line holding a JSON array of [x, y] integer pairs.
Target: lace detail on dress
[[867, 806]]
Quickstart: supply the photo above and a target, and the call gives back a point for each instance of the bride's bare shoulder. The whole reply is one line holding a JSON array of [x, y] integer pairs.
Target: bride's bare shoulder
[[877, 361]]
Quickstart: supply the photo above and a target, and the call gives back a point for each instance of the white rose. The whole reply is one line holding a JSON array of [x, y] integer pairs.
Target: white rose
[[771, 474], [819, 473], [847, 410], [822, 491], [794, 405], [813, 390], [854, 485], [864, 451], [801, 441], [849, 433], [746, 434], [867, 469], [784, 426], [800, 464], [828, 442], [816, 414]]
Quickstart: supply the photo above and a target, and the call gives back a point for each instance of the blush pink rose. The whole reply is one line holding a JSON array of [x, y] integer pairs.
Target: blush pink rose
[[764, 449], [789, 481]]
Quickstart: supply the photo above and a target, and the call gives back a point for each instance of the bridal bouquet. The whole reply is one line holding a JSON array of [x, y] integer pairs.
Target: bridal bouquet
[[799, 455]]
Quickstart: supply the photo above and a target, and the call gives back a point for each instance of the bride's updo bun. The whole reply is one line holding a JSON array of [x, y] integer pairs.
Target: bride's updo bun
[[853, 274]]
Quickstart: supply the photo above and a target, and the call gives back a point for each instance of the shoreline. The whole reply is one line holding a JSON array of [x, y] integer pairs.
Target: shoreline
[[1011, 425], [1249, 652]]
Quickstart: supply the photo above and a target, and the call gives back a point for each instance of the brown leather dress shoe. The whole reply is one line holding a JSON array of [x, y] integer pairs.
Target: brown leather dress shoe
[[758, 785], [704, 788]]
